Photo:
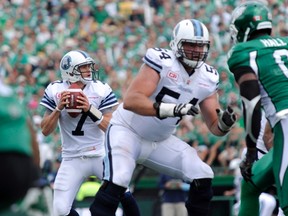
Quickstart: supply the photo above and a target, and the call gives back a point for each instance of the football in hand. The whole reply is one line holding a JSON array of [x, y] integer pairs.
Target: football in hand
[[71, 107]]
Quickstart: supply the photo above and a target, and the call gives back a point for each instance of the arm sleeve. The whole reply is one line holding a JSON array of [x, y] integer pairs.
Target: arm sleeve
[[250, 94]]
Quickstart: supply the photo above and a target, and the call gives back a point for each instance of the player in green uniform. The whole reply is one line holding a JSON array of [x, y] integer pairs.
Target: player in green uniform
[[259, 63], [19, 153]]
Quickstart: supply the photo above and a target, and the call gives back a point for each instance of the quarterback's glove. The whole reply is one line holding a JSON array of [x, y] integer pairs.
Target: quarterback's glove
[[174, 110], [95, 114], [226, 119], [246, 164]]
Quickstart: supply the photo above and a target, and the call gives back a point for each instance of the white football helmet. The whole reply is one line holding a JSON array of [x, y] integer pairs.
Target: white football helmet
[[190, 31], [69, 66]]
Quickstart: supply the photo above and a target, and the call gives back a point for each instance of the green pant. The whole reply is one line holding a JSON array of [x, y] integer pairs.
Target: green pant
[[270, 169], [262, 178], [280, 162]]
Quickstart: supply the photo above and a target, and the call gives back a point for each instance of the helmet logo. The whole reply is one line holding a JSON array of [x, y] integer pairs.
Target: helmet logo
[[66, 63], [257, 18]]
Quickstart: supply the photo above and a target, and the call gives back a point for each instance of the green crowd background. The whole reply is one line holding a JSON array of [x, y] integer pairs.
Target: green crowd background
[[35, 34]]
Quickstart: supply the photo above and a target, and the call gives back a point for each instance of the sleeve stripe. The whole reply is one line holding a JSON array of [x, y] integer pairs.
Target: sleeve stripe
[[47, 102], [152, 64], [109, 101], [48, 106], [108, 106]]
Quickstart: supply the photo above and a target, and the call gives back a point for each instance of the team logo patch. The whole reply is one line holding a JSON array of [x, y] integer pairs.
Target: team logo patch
[[58, 95], [172, 75], [66, 63], [257, 18]]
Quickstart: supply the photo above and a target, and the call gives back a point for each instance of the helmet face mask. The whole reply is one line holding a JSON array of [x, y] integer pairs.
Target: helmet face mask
[[248, 18], [197, 54], [190, 42], [70, 67], [78, 71]]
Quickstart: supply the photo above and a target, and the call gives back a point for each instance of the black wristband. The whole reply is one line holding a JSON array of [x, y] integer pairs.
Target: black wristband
[[156, 106]]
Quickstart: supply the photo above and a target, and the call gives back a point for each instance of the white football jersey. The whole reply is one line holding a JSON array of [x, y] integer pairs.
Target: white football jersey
[[175, 86], [80, 136]]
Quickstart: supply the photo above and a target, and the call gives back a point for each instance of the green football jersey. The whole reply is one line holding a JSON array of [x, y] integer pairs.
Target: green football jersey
[[268, 58], [14, 132]]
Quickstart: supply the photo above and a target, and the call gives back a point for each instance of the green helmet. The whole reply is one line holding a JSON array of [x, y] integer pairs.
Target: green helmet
[[248, 18]]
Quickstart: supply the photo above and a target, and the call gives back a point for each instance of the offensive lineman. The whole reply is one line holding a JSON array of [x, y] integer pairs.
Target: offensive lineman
[[169, 85], [83, 136]]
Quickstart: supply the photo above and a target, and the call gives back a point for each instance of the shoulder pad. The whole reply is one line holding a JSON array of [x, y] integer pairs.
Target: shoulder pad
[[156, 58], [210, 73]]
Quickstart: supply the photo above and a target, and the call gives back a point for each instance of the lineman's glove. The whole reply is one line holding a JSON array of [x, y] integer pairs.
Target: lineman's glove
[[172, 110], [226, 119], [246, 164]]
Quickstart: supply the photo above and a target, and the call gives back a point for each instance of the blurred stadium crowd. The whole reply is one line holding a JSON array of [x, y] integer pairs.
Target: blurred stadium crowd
[[35, 34]]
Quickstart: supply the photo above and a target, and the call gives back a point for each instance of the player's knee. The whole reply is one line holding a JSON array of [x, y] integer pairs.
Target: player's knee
[[267, 200], [199, 198], [61, 208], [248, 189], [123, 178]]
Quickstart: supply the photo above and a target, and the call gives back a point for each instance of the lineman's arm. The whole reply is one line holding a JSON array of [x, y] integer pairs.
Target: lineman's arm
[[142, 87], [208, 109], [218, 121], [136, 98]]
